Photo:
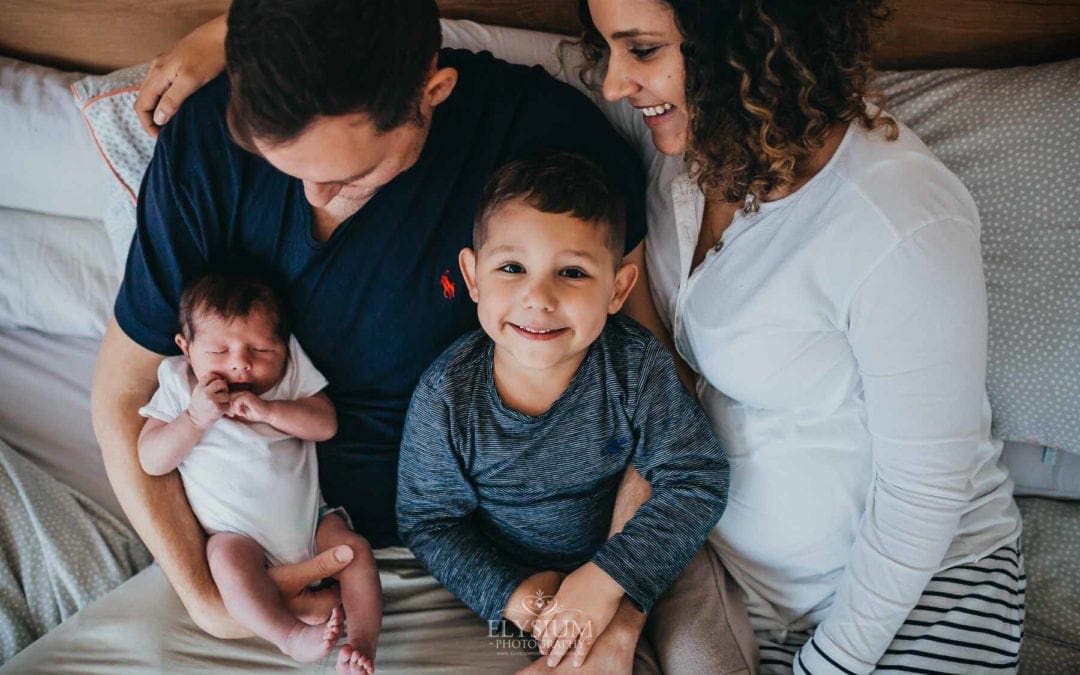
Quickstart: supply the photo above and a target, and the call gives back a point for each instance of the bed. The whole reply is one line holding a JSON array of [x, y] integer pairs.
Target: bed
[[64, 533]]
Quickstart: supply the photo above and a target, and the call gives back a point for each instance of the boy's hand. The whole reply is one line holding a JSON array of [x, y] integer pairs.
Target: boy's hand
[[532, 599], [209, 400], [246, 406], [584, 606]]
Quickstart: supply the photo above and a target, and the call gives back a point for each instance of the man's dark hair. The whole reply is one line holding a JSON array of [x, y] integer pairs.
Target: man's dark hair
[[557, 182], [232, 295], [292, 61]]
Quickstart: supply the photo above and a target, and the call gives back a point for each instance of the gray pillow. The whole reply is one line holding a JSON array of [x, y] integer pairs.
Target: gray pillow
[[1013, 138]]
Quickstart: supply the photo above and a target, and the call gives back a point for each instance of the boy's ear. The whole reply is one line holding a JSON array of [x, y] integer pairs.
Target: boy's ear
[[182, 344], [467, 263], [625, 278]]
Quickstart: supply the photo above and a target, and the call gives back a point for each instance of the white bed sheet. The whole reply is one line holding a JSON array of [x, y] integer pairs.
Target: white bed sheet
[[45, 409]]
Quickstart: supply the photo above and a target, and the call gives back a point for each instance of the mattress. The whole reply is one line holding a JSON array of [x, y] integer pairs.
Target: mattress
[[45, 409]]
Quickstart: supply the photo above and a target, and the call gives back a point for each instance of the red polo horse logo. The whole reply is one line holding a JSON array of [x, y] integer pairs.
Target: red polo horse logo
[[447, 285]]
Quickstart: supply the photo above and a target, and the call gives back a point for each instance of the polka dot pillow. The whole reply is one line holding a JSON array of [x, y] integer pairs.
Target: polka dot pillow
[[1013, 137], [106, 104]]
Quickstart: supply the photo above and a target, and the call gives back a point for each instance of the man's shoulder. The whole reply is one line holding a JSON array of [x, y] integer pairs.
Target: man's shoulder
[[200, 121], [483, 74]]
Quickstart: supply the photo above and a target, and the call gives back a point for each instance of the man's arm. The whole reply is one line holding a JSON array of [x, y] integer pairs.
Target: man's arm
[[124, 379]]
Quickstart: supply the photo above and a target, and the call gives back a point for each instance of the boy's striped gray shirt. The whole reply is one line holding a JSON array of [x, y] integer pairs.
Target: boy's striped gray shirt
[[488, 496]]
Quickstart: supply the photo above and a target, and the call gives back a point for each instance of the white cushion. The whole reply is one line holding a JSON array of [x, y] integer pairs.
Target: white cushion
[[1013, 137], [48, 163], [59, 275]]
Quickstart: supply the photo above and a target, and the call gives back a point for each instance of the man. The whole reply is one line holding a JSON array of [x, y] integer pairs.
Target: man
[[344, 154]]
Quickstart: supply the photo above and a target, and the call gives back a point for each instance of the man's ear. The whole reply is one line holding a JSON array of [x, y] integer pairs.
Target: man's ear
[[441, 82], [625, 278], [467, 263], [182, 344]]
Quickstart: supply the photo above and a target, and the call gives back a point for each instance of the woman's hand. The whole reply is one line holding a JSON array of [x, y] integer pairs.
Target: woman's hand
[[179, 72], [584, 606]]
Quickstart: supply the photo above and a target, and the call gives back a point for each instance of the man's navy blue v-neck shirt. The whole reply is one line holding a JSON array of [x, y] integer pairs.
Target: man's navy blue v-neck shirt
[[382, 298]]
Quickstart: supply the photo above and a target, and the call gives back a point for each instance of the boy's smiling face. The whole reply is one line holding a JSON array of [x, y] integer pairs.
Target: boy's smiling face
[[544, 284], [246, 352]]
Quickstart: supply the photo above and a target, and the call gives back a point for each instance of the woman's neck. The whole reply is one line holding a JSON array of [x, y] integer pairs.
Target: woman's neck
[[813, 163]]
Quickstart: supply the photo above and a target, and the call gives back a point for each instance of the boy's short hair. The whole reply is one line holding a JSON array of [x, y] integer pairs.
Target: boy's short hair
[[556, 182], [232, 295], [293, 61]]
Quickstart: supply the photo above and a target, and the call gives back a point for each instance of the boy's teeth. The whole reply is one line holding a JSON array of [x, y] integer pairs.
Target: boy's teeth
[[535, 330]]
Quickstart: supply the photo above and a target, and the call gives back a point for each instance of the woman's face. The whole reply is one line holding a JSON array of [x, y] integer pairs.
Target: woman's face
[[645, 66]]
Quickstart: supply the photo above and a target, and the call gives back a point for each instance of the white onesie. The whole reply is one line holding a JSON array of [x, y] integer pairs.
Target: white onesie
[[250, 478]]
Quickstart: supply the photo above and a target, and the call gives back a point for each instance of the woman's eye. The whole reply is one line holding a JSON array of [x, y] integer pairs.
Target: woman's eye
[[643, 53], [574, 274], [512, 268]]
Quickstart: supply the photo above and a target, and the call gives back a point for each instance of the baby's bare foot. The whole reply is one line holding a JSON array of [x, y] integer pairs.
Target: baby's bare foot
[[308, 644], [353, 661]]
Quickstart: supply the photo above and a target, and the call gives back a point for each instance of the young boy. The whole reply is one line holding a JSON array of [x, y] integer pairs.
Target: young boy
[[518, 435], [239, 414]]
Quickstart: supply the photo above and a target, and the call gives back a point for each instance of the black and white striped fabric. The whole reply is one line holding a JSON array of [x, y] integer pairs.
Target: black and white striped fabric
[[970, 619]]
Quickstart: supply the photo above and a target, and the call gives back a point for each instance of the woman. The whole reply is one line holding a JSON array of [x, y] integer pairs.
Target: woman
[[820, 270]]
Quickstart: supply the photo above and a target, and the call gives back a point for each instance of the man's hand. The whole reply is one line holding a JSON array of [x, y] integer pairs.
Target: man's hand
[[584, 606], [246, 406], [311, 607], [209, 400]]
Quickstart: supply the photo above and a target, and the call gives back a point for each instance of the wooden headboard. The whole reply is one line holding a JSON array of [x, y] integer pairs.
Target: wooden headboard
[[101, 35]]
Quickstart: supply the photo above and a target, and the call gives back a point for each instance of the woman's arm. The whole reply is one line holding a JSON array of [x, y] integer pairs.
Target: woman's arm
[[179, 72], [918, 329]]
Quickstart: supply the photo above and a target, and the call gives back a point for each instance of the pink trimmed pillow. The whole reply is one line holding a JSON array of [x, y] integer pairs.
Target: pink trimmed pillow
[[106, 103]]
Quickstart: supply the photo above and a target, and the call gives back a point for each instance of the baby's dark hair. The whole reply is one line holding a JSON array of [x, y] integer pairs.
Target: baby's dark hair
[[556, 182], [232, 295]]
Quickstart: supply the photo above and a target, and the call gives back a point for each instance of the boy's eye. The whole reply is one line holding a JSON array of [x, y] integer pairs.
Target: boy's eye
[[643, 53], [574, 273], [512, 268]]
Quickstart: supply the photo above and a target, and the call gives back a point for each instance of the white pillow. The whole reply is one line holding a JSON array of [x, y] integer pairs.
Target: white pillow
[[58, 275], [48, 163]]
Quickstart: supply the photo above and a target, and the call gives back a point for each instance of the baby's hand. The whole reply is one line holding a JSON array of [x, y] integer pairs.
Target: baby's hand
[[246, 406], [584, 606], [209, 400]]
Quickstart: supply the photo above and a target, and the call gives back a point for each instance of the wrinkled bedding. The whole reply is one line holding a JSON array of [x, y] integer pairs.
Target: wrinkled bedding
[[60, 552]]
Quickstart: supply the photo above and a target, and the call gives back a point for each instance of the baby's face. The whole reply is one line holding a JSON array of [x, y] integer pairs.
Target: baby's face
[[544, 284], [246, 352]]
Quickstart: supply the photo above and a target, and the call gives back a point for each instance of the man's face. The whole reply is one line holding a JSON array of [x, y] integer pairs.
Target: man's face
[[345, 158]]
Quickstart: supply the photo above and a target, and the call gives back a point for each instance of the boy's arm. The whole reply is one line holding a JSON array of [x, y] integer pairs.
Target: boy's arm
[[310, 419], [436, 506], [678, 454]]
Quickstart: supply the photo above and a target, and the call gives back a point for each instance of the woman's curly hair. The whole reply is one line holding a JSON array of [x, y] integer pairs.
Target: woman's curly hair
[[765, 80]]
